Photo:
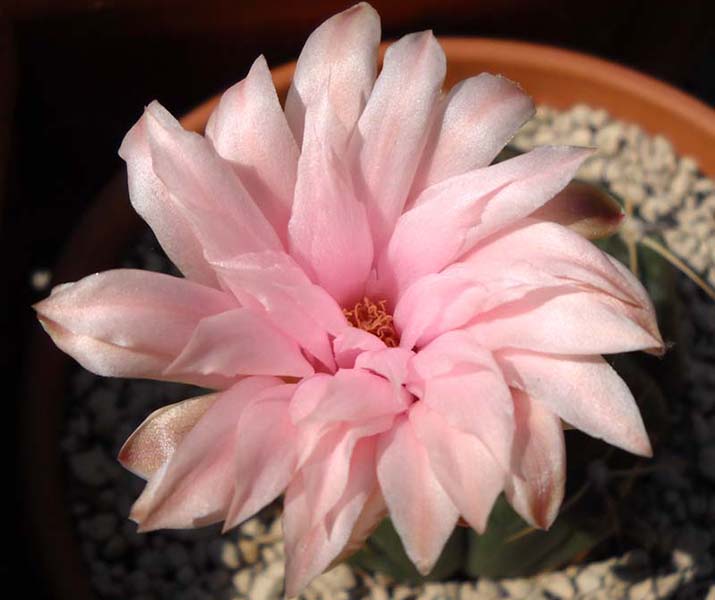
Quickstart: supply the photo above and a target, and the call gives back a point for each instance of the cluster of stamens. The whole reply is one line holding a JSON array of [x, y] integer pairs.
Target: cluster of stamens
[[373, 317]]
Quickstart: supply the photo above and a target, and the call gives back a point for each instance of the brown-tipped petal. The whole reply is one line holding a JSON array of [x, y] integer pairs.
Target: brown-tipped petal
[[535, 488], [586, 208], [155, 440]]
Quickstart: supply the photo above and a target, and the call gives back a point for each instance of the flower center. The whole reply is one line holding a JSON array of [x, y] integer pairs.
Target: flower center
[[373, 317]]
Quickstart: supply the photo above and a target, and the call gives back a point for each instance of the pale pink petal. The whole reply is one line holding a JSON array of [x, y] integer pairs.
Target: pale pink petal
[[249, 129], [435, 304], [206, 189], [325, 471], [479, 117], [340, 56], [460, 380], [310, 549], [584, 391], [441, 302], [128, 323], [362, 481], [500, 300], [391, 363], [462, 464], [639, 292], [155, 440], [266, 454], [349, 395], [535, 487], [537, 252], [352, 342], [453, 352], [152, 201], [299, 308], [241, 341], [567, 321], [422, 512], [374, 511], [329, 234], [308, 395], [392, 130], [507, 267], [451, 217], [192, 489]]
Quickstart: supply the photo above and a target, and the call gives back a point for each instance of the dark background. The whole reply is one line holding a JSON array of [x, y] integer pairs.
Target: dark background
[[75, 75]]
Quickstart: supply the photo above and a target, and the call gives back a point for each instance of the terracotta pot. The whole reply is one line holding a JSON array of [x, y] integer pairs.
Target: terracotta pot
[[551, 76]]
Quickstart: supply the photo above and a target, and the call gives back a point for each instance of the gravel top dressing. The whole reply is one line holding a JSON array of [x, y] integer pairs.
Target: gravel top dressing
[[674, 499]]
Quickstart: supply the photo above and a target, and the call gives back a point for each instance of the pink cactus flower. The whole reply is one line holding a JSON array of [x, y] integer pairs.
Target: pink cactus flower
[[386, 329]]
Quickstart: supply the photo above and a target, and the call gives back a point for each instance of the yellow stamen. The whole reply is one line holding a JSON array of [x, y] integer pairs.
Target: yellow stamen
[[373, 317]]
